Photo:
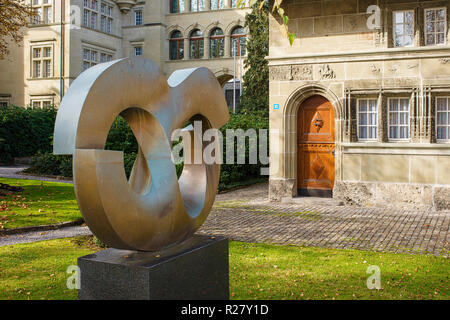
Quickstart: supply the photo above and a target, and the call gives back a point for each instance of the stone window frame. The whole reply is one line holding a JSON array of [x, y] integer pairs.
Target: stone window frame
[[394, 29], [179, 41], [388, 125], [217, 4], [98, 56], [37, 20], [138, 21], [359, 139], [90, 11], [41, 59], [137, 50], [425, 26], [444, 141], [195, 5], [178, 6]]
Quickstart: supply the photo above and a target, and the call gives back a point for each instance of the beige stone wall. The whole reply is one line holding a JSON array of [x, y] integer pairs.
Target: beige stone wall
[[344, 64]]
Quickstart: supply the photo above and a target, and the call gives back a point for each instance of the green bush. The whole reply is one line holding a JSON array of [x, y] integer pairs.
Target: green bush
[[25, 132]]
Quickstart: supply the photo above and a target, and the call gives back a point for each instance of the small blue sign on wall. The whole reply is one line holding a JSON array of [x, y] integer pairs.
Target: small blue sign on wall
[[276, 106]]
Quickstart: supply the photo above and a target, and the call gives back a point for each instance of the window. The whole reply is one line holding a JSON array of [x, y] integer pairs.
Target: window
[[89, 58], [196, 44], [106, 19], [41, 103], [367, 119], [238, 42], [177, 6], [104, 57], [138, 51], [217, 4], [176, 46], [217, 43], [435, 26], [398, 121], [90, 13], [443, 119], [41, 57], [234, 3], [403, 28], [43, 10], [138, 17], [4, 102], [198, 5]]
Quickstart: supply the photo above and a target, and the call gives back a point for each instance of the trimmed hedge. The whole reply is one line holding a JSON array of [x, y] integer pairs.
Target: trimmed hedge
[[25, 132]]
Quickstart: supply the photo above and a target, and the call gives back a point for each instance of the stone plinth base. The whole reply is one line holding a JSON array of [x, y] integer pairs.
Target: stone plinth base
[[195, 269]]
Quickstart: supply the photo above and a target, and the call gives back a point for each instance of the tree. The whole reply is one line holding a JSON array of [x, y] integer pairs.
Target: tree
[[14, 16], [255, 93]]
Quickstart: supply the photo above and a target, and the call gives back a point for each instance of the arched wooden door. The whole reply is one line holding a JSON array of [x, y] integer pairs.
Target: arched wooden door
[[315, 158]]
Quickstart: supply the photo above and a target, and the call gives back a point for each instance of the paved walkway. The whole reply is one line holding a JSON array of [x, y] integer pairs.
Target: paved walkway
[[246, 215]]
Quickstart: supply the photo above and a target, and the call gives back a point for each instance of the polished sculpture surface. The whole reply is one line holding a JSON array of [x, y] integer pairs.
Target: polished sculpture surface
[[153, 209]]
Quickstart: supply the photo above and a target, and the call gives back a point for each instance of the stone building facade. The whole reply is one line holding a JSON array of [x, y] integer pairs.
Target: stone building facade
[[361, 102], [39, 71]]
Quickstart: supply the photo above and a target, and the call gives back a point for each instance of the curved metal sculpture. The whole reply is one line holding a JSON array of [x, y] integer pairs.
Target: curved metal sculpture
[[153, 209]]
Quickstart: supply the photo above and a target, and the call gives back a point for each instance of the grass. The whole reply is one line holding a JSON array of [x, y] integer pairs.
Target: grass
[[257, 271], [40, 203]]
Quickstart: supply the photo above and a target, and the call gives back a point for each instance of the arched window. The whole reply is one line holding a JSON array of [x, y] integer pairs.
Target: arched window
[[217, 43], [217, 4], [176, 6], [196, 44], [176, 46], [238, 41], [198, 5]]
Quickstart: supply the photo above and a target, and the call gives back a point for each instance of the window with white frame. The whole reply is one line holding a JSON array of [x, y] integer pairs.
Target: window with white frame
[[4, 102], [435, 26], [41, 61], [217, 4], [398, 118], [443, 119], [403, 28], [90, 58], [138, 17], [41, 103], [367, 113], [43, 10], [106, 19], [138, 50], [90, 13]]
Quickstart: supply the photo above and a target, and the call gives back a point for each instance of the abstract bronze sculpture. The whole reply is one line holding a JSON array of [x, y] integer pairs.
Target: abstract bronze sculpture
[[153, 209]]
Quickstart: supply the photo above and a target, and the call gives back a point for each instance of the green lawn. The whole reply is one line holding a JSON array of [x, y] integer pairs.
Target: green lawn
[[40, 203], [257, 271]]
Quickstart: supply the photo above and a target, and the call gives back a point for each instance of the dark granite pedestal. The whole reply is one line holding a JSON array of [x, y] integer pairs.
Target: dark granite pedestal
[[195, 269]]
